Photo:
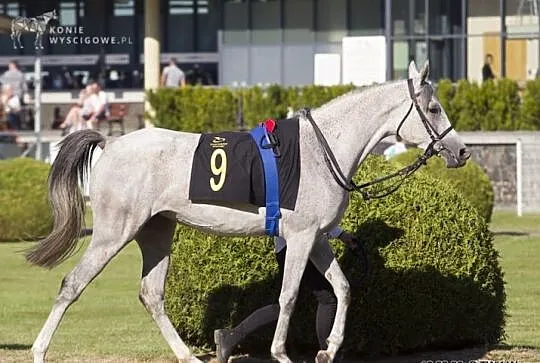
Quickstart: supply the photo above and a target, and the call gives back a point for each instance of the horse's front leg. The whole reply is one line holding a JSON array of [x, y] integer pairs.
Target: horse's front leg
[[298, 249], [323, 258]]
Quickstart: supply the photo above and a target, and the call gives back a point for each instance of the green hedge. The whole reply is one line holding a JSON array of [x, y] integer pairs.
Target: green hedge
[[530, 109], [199, 109], [24, 207], [470, 180], [489, 106], [435, 280]]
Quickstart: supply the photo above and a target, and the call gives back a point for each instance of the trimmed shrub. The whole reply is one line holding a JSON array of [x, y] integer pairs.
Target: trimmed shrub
[[24, 207], [193, 109], [469, 107], [502, 105], [491, 105], [470, 180], [530, 109], [445, 93], [488, 106], [435, 277], [198, 109]]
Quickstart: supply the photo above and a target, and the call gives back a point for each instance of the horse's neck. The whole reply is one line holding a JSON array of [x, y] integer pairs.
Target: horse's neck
[[354, 123]]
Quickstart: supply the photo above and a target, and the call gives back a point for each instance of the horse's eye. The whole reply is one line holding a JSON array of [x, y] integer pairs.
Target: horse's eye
[[434, 110]]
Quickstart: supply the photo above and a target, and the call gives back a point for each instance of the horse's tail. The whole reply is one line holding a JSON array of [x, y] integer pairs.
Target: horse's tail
[[66, 199]]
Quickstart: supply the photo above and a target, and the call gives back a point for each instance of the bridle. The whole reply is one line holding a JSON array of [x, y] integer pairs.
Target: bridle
[[435, 145], [434, 148]]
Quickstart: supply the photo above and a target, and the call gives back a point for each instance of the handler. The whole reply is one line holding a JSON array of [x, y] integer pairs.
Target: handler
[[227, 339]]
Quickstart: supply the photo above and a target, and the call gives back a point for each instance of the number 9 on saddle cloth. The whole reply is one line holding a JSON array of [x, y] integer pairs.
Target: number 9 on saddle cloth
[[228, 169]]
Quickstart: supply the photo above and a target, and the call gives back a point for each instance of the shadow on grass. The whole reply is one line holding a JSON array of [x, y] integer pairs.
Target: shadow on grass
[[394, 311], [15, 346], [503, 346], [510, 233]]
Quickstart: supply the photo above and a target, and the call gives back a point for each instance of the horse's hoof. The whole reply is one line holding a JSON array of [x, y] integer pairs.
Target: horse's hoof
[[323, 357]]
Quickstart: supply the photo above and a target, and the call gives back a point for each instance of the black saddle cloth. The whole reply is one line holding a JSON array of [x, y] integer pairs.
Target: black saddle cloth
[[241, 179]]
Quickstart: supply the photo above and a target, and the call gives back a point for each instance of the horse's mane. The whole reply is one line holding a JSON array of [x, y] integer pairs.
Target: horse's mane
[[356, 91]]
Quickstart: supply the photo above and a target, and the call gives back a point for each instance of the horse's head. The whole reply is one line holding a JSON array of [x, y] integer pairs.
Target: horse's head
[[51, 15], [427, 123]]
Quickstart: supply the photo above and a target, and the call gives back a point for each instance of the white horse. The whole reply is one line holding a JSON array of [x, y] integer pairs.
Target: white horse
[[140, 185]]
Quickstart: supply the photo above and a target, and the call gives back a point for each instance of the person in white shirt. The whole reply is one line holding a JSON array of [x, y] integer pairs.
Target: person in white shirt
[[11, 103], [227, 339], [173, 76]]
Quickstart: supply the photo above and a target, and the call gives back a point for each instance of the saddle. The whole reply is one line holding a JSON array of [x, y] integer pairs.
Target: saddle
[[228, 169]]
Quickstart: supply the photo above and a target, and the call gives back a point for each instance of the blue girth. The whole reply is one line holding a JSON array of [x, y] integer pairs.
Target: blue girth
[[271, 178]]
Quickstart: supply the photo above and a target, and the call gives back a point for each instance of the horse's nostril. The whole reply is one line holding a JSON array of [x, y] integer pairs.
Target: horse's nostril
[[464, 154]]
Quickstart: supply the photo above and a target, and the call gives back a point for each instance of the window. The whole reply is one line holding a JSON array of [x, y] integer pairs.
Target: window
[[298, 26], [13, 9], [208, 22], [68, 13], [366, 18], [265, 22], [236, 22], [81, 8], [202, 6], [124, 8], [331, 20], [181, 7]]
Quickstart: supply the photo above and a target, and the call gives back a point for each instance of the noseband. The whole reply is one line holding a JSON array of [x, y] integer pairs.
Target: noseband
[[433, 148]]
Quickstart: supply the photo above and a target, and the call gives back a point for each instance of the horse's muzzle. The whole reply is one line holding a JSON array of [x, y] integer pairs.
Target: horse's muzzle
[[464, 154]]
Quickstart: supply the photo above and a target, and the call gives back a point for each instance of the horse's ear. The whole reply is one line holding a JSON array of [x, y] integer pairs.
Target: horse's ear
[[413, 71], [424, 72]]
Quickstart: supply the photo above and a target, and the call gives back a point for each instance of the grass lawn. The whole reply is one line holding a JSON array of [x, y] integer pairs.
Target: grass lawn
[[108, 320], [108, 324], [520, 259]]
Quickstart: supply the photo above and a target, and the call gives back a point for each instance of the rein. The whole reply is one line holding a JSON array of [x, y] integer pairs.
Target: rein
[[404, 173]]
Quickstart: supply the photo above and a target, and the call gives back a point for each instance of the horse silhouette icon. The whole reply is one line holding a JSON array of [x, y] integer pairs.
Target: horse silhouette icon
[[36, 25]]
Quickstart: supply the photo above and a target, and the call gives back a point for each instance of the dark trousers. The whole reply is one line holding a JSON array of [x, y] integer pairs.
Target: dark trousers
[[14, 121], [314, 281]]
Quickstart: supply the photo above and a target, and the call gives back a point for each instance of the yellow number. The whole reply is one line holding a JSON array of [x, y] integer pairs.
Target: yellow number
[[220, 171]]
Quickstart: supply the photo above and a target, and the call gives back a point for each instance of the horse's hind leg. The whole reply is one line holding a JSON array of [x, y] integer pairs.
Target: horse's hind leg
[[107, 241], [323, 258], [19, 40], [155, 240], [37, 41], [13, 38]]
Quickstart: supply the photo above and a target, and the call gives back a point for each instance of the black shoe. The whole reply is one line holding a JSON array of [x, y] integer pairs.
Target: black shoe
[[226, 341]]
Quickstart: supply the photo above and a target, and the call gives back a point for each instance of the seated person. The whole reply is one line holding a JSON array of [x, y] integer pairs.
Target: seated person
[[12, 107], [97, 107], [74, 119]]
